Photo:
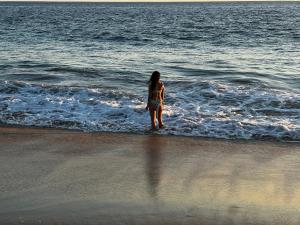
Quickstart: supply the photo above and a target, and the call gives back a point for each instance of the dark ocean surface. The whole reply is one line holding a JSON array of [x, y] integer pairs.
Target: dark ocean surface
[[231, 70]]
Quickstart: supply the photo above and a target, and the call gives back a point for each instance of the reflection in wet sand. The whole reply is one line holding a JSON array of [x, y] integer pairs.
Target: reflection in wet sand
[[153, 148], [235, 186], [81, 178]]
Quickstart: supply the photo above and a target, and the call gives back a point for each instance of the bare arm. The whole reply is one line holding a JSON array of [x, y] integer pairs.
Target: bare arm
[[163, 93], [148, 101]]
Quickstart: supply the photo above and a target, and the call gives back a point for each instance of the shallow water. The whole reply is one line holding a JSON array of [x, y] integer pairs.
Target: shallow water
[[231, 70]]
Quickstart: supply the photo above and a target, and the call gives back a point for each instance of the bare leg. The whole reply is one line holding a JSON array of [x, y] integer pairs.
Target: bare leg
[[153, 117], [160, 111]]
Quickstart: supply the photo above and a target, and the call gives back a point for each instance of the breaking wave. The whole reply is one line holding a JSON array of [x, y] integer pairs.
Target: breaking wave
[[207, 109]]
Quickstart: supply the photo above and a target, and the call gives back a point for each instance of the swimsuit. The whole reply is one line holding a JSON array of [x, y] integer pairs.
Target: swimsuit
[[156, 103]]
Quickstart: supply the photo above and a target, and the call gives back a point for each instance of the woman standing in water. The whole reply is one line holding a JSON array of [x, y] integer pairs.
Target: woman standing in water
[[156, 91]]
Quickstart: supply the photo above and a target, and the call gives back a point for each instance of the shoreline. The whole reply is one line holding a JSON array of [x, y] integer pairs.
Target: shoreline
[[203, 138], [52, 176]]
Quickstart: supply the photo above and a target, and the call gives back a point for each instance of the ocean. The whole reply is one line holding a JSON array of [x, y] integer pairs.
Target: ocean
[[231, 70]]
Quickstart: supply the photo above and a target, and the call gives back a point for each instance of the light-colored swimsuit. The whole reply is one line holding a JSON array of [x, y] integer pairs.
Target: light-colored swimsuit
[[156, 103]]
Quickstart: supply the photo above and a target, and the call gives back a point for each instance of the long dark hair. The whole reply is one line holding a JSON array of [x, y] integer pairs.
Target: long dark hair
[[154, 79]]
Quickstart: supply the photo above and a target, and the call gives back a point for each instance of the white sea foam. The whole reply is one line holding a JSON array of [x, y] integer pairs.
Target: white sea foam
[[207, 109]]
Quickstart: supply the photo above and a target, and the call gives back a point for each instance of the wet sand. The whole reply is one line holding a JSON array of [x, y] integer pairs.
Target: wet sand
[[67, 177]]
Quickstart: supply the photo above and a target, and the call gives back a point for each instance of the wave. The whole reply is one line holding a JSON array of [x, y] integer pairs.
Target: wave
[[224, 72], [32, 77], [207, 109], [121, 37], [34, 71]]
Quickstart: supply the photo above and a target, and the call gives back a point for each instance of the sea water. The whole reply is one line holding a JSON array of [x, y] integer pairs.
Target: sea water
[[231, 70]]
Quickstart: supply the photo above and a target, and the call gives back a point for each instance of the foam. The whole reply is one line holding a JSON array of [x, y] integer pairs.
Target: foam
[[206, 108]]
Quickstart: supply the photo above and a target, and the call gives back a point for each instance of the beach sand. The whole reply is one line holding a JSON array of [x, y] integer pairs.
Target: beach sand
[[66, 177]]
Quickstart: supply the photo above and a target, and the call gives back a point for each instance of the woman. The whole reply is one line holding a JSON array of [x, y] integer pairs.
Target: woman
[[156, 91]]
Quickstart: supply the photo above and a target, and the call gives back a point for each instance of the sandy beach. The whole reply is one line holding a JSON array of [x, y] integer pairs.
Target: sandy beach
[[54, 177]]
